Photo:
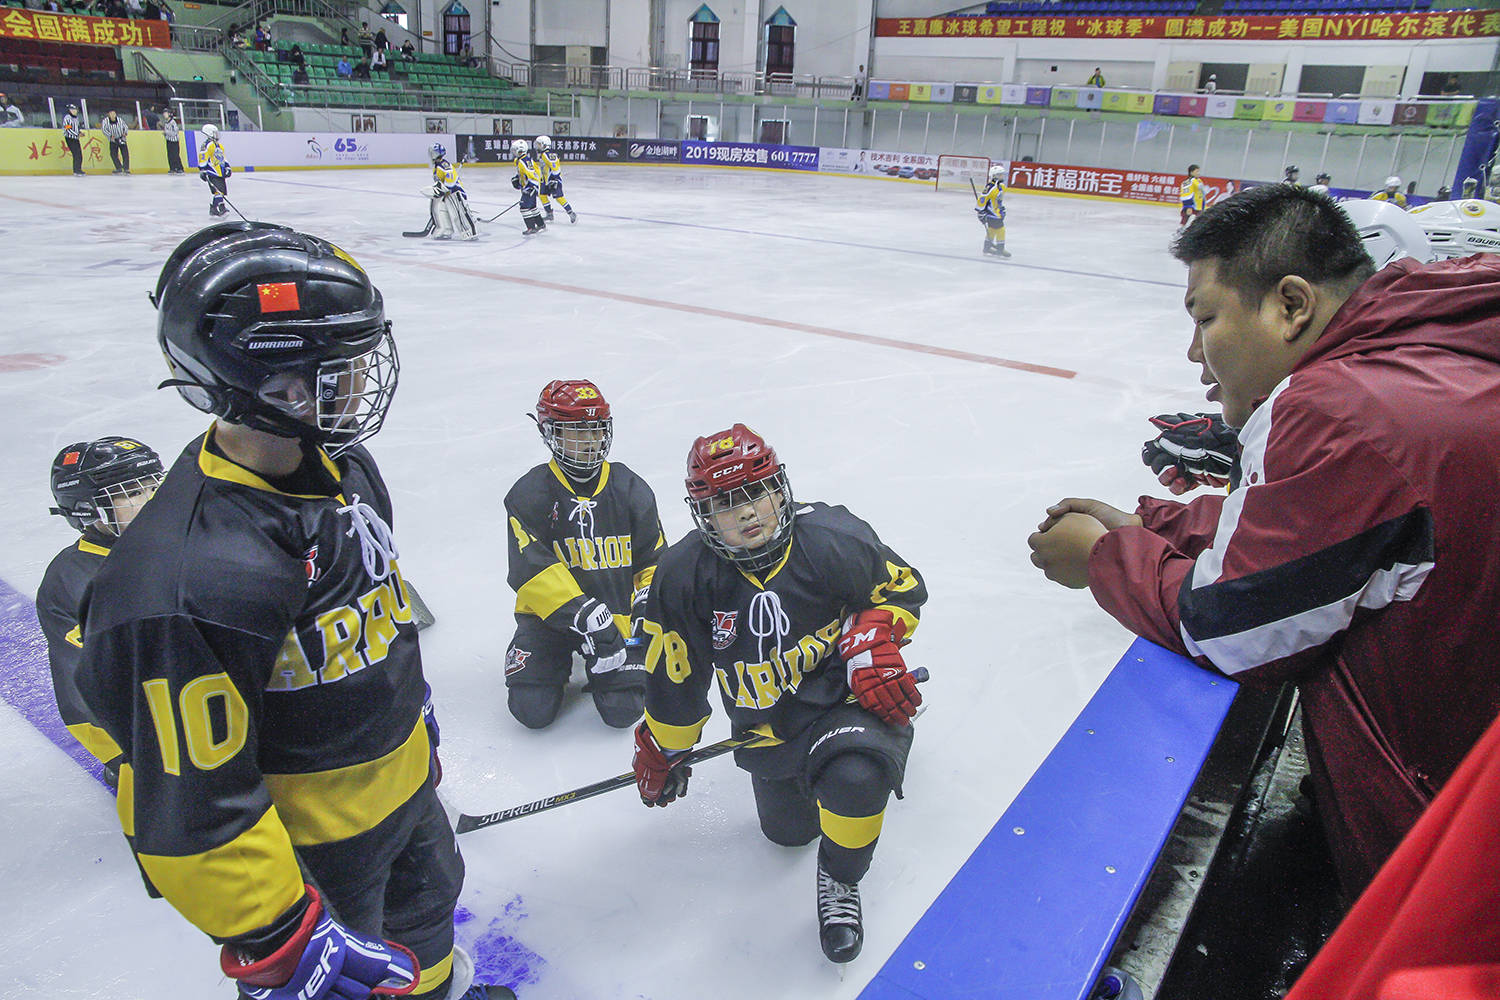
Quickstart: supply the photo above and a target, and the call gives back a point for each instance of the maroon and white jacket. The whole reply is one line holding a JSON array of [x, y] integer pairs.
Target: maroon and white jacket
[[1360, 555]]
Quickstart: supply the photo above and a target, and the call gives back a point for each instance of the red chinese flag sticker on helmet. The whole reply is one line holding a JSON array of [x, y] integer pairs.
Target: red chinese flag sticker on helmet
[[71, 458], [278, 297]]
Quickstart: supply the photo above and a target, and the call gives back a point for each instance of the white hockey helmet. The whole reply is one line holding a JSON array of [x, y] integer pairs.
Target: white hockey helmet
[[519, 148], [997, 173], [1459, 228], [211, 132], [1388, 232], [436, 151], [1392, 182], [543, 142]]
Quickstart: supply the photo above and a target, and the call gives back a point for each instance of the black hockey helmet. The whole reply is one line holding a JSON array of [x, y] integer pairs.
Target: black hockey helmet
[[202, 237], [90, 478], [277, 330]]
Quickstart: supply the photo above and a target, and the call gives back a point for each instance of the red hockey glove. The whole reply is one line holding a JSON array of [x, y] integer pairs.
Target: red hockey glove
[[659, 780], [871, 649]]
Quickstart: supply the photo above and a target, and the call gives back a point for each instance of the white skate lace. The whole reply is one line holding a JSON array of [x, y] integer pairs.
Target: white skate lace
[[376, 546], [583, 513], [838, 902], [767, 619]]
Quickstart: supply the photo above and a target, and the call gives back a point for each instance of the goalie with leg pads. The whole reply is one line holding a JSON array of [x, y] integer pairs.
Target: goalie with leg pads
[[450, 209]]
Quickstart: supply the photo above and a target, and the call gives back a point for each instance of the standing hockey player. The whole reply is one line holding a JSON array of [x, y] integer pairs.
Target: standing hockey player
[[116, 130], [213, 167], [1321, 183], [584, 539], [1290, 175], [1192, 196], [800, 611], [450, 206], [551, 178], [99, 487], [991, 212], [72, 132], [528, 181], [249, 643]]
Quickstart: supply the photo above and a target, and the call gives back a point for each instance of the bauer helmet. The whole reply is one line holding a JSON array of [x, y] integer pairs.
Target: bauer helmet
[[436, 152], [543, 142], [201, 238], [1392, 182], [574, 419], [728, 474], [211, 132], [997, 173], [104, 483], [280, 331], [1388, 232], [1459, 228], [518, 148]]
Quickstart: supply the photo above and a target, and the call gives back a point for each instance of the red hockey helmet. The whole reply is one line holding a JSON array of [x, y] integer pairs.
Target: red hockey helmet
[[727, 474], [575, 421]]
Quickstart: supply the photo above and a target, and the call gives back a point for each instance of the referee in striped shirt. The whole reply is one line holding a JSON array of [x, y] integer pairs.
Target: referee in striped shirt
[[115, 130]]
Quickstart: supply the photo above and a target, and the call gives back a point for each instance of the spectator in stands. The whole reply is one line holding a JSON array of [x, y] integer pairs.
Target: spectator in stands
[[262, 38], [167, 15], [382, 42], [858, 93], [1212, 84], [344, 37], [343, 69], [171, 132], [378, 61], [134, 8], [466, 56], [361, 70], [10, 113], [116, 131], [366, 40], [299, 75], [1097, 80], [408, 51], [1358, 554], [1450, 86], [296, 56]]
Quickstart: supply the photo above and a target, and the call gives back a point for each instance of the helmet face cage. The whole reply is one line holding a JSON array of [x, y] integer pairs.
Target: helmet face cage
[[354, 395], [211, 130], [118, 503], [579, 446], [722, 517], [543, 142], [436, 151]]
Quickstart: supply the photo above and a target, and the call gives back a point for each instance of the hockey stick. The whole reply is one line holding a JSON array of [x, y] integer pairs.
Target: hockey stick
[[467, 823], [233, 206], [501, 212], [431, 223]]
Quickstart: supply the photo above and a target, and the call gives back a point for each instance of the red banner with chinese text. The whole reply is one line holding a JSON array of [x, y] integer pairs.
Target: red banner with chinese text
[[1102, 182], [1320, 27], [41, 26]]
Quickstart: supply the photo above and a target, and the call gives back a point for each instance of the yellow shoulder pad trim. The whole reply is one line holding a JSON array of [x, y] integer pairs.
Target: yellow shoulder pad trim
[[670, 737], [571, 487], [643, 577], [96, 741], [92, 548], [234, 888], [325, 806], [547, 591], [75, 638]]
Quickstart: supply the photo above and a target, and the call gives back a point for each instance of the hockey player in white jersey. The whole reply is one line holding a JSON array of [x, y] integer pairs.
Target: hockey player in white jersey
[[450, 205]]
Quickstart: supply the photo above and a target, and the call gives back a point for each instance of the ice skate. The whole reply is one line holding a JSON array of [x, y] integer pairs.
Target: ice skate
[[572, 215], [462, 986], [841, 928]]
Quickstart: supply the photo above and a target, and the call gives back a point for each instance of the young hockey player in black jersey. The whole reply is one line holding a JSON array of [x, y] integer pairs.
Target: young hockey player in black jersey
[[584, 537], [99, 487], [800, 611], [249, 643]]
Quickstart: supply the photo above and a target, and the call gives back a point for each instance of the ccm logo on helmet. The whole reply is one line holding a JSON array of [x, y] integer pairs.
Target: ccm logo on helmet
[[736, 467]]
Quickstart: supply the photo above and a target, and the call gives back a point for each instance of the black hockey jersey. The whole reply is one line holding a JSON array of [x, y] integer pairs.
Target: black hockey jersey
[[565, 543], [256, 661], [57, 600], [770, 640]]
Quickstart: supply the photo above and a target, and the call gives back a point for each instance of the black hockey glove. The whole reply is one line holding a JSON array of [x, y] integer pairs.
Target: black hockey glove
[[515, 181], [600, 640], [1192, 450]]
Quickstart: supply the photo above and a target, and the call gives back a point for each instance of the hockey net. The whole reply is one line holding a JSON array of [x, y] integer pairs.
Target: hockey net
[[954, 172]]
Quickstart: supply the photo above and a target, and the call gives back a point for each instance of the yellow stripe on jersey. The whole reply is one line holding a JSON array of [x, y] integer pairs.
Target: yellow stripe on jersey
[[96, 741], [529, 171], [325, 806], [74, 636], [769, 576], [852, 832], [572, 487], [214, 467], [547, 591], [235, 888], [644, 577], [125, 800], [900, 615], [84, 545], [670, 737]]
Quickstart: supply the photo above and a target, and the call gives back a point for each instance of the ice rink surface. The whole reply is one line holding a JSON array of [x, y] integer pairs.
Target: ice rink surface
[[945, 397]]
